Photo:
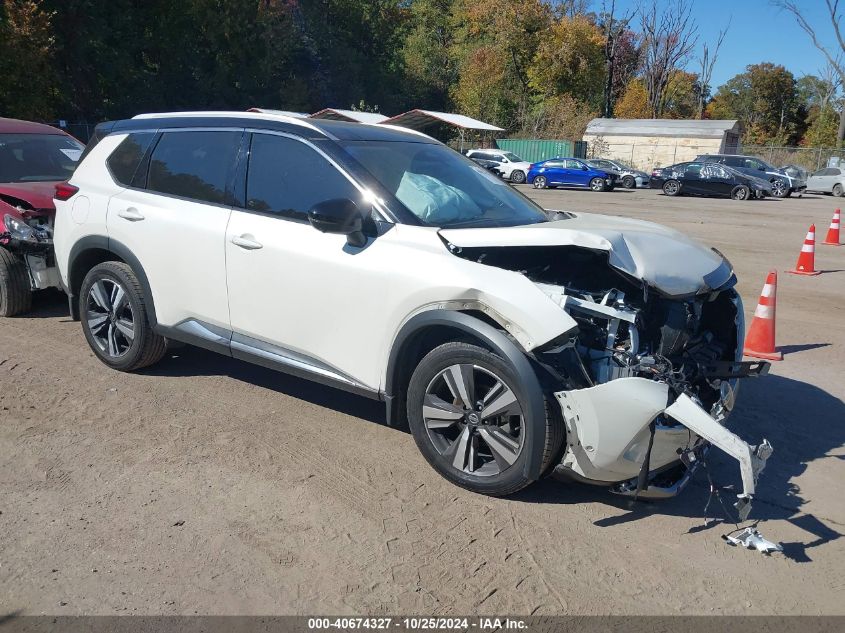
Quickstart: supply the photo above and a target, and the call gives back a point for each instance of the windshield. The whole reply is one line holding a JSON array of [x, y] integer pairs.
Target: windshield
[[37, 157], [443, 188]]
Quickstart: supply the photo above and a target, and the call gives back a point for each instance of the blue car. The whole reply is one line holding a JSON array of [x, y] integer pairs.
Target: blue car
[[569, 172]]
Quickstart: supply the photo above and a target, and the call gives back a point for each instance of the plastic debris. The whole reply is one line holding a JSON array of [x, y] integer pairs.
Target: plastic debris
[[750, 538]]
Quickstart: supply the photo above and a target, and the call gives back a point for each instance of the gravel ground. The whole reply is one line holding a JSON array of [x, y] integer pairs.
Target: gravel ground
[[206, 485]]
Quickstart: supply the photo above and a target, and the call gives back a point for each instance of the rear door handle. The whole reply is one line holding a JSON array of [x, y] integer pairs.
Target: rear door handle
[[132, 214], [246, 242]]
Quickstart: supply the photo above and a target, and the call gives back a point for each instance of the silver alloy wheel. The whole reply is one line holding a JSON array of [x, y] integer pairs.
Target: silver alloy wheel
[[474, 420], [779, 188], [517, 176], [837, 190], [540, 182], [670, 187], [109, 317], [597, 184], [740, 193]]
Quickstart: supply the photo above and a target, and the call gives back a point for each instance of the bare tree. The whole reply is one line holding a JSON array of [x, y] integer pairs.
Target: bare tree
[[669, 36], [613, 29], [835, 61], [571, 8], [706, 63]]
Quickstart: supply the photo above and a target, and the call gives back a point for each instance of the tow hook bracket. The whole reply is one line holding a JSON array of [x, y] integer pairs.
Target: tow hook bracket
[[750, 538]]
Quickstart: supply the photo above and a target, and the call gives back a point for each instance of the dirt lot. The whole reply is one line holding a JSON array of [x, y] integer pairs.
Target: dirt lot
[[206, 485]]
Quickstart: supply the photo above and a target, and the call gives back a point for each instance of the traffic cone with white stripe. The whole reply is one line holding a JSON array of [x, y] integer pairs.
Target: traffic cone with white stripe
[[832, 238], [760, 342], [807, 259]]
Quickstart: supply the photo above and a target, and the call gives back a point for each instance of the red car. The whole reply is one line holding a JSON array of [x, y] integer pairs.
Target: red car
[[34, 158]]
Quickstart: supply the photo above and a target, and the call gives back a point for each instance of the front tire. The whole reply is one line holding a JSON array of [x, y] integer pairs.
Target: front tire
[[671, 188], [466, 413], [741, 192], [517, 176], [113, 309], [629, 182], [15, 292], [780, 189]]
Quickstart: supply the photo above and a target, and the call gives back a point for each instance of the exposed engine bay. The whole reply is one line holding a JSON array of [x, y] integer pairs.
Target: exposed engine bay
[[645, 380]]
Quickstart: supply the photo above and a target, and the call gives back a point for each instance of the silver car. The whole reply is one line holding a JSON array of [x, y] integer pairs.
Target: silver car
[[626, 175], [827, 180]]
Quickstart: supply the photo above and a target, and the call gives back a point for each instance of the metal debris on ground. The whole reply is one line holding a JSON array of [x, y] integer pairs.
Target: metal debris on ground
[[750, 538]]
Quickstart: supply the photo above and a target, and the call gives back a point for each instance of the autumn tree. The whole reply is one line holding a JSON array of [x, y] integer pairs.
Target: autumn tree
[[618, 42], [765, 98], [669, 36], [427, 52]]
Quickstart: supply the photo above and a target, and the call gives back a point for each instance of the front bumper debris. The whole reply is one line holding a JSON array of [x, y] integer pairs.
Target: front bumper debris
[[752, 459], [750, 538]]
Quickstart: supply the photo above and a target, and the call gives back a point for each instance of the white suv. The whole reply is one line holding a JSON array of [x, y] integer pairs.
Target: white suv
[[511, 166], [376, 260]]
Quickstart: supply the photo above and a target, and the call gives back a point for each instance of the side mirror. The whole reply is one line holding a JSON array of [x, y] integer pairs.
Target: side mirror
[[339, 215]]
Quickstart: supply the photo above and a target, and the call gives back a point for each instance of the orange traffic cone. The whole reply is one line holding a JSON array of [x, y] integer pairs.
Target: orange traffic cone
[[832, 238], [807, 259], [760, 342]]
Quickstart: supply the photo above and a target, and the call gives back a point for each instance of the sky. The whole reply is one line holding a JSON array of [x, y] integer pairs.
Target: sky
[[759, 32]]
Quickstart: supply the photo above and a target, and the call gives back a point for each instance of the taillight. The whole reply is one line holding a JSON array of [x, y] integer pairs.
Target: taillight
[[64, 191]]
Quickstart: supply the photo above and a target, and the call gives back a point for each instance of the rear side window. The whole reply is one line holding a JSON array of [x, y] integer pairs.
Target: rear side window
[[196, 165], [287, 177], [124, 160]]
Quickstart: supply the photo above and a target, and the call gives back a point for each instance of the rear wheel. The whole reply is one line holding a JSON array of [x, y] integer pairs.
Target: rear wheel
[[467, 413], [114, 318], [629, 182], [517, 176], [598, 184], [540, 182], [741, 192], [837, 190], [671, 187], [15, 292]]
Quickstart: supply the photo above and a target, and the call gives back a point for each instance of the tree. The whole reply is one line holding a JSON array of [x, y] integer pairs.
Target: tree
[[633, 104], [570, 59], [669, 37], [682, 95], [834, 58], [706, 63], [429, 62], [615, 31], [26, 58], [765, 98]]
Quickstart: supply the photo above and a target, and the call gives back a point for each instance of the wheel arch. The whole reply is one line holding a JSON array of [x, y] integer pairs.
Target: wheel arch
[[96, 249], [427, 330]]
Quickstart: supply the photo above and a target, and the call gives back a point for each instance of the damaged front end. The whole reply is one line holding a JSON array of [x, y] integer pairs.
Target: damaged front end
[[647, 378], [29, 234]]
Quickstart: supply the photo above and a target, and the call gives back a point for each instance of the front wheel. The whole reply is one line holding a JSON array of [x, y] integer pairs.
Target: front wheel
[[741, 192], [598, 184], [540, 182], [15, 292], [671, 187], [517, 176], [467, 415], [114, 318], [629, 182], [780, 189]]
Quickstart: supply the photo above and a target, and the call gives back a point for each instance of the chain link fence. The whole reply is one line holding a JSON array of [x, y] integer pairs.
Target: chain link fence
[[810, 158]]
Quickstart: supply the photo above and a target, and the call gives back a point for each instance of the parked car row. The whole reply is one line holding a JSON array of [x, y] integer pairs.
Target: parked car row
[[709, 179], [508, 337]]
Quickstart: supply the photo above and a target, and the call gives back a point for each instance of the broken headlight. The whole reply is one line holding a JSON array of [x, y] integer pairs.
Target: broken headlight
[[19, 230]]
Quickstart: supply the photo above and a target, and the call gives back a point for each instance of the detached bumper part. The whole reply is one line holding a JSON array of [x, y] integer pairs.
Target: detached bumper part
[[750, 538], [752, 459]]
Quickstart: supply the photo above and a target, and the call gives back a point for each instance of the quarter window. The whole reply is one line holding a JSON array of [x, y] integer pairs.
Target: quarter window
[[124, 160], [196, 165], [287, 177]]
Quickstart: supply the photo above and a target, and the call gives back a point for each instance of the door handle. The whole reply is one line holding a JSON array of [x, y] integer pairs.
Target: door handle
[[246, 242], [132, 214]]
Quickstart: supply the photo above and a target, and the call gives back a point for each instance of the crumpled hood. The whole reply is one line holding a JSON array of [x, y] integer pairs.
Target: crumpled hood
[[662, 257], [39, 195]]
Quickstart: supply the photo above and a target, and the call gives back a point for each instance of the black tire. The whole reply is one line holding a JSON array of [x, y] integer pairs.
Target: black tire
[[672, 188], [598, 184], [540, 182], [15, 292], [837, 190], [504, 477], [741, 192], [517, 176], [145, 347], [629, 182], [780, 188]]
